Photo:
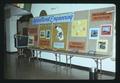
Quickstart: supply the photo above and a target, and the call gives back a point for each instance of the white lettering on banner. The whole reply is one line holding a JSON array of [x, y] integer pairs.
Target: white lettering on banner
[[53, 19]]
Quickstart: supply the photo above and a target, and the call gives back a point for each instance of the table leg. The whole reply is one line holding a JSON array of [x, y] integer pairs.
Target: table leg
[[70, 61], [100, 68], [56, 58], [59, 59], [66, 61]]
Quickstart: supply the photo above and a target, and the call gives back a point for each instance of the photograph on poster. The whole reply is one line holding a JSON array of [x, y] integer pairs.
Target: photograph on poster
[[42, 34], [102, 45], [31, 40], [59, 35], [106, 30], [93, 33], [48, 34]]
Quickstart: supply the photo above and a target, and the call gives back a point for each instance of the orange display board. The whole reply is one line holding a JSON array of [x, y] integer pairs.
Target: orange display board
[[45, 36], [33, 32], [101, 16], [79, 46]]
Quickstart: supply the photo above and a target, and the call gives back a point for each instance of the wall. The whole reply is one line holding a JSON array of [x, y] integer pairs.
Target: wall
[[11, 17], [10, 31], [107, 64]]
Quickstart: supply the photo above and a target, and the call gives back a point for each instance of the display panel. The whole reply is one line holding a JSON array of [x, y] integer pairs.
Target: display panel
[[33, 36], [59, 36], [45, 36]]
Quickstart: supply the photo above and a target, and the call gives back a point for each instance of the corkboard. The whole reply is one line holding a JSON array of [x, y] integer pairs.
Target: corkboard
[[59, 36]]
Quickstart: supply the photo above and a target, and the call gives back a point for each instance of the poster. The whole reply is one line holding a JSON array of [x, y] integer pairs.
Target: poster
[[102, 45], [94, 33], [45, 36], [42, 34], [30, 40], [79, 28], [33, 31], [100, 16], [58, 45], [44, 43], [106, 30], [48, 34], [77, 45], [59, 36]]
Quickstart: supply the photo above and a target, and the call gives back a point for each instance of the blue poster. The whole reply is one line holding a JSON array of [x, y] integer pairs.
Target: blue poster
[[94, 33]]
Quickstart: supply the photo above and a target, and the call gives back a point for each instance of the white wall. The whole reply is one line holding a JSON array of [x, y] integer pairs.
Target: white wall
[[63, 8], [108, 64], [10, 31], [11, 26]]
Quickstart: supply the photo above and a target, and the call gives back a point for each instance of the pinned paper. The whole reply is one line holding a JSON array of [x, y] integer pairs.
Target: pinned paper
[[79, 28], [48, 34], [30, 40], [102, 45], [106, 30], [42, 34], [94, 33]]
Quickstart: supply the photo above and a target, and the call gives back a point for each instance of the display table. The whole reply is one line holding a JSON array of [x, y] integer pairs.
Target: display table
[[95, 57]]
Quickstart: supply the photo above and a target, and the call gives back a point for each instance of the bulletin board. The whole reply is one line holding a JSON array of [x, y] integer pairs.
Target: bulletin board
[[59, 36], [92, 30], [33, 36], [101, 30], [77, 36], [45, 34], [33, 31]]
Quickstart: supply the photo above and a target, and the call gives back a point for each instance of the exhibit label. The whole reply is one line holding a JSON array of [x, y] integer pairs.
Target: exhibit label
[[77, 45], [53, 19], [101, 16], [58, 45]]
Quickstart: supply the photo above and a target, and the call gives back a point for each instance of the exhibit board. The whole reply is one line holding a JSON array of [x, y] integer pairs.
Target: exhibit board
[[101, 30], [77, 38], [83, 31], [59, 36], [53, 30], [33, 32], [45, 33], [92, 30]]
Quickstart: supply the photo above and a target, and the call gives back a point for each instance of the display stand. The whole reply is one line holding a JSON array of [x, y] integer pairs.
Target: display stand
[[94, 56]]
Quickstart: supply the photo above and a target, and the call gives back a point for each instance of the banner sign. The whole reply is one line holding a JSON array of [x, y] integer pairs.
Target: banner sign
[[32, 30], [44, 43], [101, 16], [53, 19], [77, 45]]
